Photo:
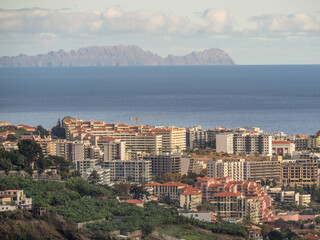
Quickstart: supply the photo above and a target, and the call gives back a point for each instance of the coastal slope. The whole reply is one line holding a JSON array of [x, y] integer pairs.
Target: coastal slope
[[95, 56]]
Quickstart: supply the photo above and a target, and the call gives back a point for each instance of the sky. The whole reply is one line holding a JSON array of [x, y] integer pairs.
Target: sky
[[250, 31]]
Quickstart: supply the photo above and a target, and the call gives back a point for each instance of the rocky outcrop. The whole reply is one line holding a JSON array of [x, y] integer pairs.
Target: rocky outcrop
[[115, 56]]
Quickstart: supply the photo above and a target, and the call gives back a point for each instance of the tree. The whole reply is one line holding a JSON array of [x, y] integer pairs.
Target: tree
[[203, 172], [138, 192], [30, 149], [122, 188], [11, 137], [317, 219], [94, 177], [274, 183], [275, 235], [42, 131], [58, 130]]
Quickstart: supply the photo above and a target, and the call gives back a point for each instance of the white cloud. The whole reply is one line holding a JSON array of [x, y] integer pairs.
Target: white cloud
[[46, 38], [280, 23], [109, 21], [142, 23], [218, 20]]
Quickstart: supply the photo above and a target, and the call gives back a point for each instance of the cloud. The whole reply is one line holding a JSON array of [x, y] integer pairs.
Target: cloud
[[141, 23], [46, 38], [218, 20], [109, 21], [280, 23]]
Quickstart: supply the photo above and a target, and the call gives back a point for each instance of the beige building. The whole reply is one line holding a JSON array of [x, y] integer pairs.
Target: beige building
[[224, 143], [234, 206], [173, 139], [48, 146], [17, 197], [313, 141], [114, 150], [190, 198], [164, 163], [264, 169], [187, 196], [300, 172], [139, 142], [245, 170], [283, 148]]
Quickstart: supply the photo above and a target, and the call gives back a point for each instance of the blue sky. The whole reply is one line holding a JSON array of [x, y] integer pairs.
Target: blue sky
[[251, 31]]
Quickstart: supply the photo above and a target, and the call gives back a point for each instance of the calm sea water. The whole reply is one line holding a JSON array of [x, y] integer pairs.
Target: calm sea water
[[275, 98]]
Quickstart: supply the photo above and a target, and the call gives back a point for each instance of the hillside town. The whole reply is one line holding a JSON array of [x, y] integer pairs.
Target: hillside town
[[240, 176]]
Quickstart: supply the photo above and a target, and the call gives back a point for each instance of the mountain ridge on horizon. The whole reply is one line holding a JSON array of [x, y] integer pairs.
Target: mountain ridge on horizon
[[119, 55]]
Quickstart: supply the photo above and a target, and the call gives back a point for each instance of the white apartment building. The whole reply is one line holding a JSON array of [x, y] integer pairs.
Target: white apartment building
[[245, 170], [245, 142], [131, 171], [224, 143], [283, 148], [84, 164], [139, 142], [114, 150], [220, 168], [17, 197], [103, 173]]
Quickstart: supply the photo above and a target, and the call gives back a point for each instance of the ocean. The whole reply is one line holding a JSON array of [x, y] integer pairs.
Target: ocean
[[274, 98]]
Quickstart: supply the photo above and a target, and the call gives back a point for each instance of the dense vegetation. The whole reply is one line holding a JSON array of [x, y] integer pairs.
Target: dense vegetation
[[30, 154], [58, 130], [78, 201]]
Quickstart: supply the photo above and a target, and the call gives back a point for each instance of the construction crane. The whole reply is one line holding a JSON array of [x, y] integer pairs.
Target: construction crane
[[137, 118]]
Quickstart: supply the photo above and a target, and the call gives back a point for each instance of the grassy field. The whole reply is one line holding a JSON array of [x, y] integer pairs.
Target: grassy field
[[187, 232]]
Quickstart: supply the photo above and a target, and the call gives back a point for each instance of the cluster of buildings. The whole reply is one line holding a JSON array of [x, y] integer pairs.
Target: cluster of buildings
[[11, 200], [301, 170], [235, 200], [231, 200], [121, 152]]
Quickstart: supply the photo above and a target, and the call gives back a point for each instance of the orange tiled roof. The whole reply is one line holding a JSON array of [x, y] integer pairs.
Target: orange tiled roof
[[133, 201], [227, 194], [175, 184], [281, 142]]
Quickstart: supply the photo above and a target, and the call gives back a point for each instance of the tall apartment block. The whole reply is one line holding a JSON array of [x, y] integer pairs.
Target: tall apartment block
[[300, 172], [139, 142], [220, 168], [164, 163], [196, 137], [133, 171], [245, 170], [173, 139], [48, 146], [313, 141], [114, 150], [300, 141], [248, 142]]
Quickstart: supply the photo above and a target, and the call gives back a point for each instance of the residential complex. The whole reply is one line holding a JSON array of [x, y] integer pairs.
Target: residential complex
[[283, 148], [164, 163], [14, 199], [300, 172], [232, 198], [241, 141], [129, 170], [245, 170], [187, 196]]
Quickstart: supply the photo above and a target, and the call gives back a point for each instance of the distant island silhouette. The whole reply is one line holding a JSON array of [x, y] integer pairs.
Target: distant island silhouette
[[132, 55]]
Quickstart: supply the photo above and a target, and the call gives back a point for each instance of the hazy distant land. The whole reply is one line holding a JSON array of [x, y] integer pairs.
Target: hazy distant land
[[116, 56]]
